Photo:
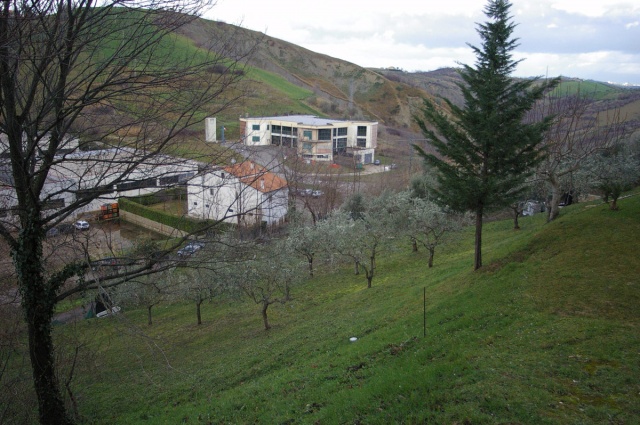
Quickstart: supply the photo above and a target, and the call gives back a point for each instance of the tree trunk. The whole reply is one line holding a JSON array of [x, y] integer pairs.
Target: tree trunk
[[477, 260], [149, 321], [198, 304], [50, 402], [310, 260], [613, 206], [414, 245], [38, 302], [554, 205], [356, 267], [370, 272], [432, 252], [265, 320]]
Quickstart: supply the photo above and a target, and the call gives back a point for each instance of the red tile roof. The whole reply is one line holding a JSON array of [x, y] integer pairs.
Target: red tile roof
[[256, 176]]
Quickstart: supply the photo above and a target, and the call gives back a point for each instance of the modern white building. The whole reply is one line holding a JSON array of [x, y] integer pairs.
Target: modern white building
[[244, 193], [318, 139]]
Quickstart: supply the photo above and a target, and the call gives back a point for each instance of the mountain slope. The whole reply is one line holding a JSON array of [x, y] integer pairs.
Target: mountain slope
[[340, 89], [337, 88]]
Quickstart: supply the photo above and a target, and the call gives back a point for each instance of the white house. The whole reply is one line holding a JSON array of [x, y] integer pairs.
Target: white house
[[315, 138], [244, 193]]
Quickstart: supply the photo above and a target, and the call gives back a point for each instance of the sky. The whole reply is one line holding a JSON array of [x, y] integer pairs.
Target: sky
[[587, 39]]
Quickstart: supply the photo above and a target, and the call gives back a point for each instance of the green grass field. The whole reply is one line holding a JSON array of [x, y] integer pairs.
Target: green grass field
[[545, 333]]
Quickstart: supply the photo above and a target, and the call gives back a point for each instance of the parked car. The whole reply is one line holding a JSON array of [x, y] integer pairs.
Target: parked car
[[190, 249], [376, 162], [81, 225], [532, 207], [317, 193]]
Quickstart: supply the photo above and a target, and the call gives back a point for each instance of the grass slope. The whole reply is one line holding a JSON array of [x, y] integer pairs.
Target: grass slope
[[546, 333]]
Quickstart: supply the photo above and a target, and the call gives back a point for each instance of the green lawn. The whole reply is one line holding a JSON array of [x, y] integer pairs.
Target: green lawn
[[545, 333]]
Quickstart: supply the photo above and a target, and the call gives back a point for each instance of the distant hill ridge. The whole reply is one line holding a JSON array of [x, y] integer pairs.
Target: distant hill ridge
[[340, 89]]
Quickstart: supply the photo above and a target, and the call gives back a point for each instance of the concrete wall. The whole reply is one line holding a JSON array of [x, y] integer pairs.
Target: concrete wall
[[151, 225]]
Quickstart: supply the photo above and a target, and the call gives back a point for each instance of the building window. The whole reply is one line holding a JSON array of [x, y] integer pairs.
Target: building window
[[255, 127], [306, 134], [342, 131], [362, 131], [195, 203], [141, 184], [255, 139], [324, 134], [275, 129], [340, 145], [362, 143]]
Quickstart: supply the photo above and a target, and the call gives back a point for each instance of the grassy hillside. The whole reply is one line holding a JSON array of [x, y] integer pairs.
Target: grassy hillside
[[545, 333]]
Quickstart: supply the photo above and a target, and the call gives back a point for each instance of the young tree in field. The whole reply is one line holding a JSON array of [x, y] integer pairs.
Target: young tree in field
[[145, 291], [77, 74], [612, 172], [428, 224], [485, 150], [361, 236], [198, 285], [305, 241], [267, 277], [578, 132]]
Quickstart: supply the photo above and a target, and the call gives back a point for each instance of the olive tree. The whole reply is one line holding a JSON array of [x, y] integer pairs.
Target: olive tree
[[612, 172], [266, 276], [306, 241], [428, 224], [361, 236]]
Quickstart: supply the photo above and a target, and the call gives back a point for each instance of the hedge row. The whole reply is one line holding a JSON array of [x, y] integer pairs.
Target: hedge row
[[185, 224]]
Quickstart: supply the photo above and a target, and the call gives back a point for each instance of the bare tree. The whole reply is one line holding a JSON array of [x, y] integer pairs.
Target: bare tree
[[76, 74], [578, 131]]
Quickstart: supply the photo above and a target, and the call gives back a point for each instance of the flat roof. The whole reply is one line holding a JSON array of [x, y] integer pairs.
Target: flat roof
[[308, 120]]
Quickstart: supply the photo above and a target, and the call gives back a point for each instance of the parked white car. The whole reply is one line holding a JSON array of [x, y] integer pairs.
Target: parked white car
[[81, 225], [190, 249]]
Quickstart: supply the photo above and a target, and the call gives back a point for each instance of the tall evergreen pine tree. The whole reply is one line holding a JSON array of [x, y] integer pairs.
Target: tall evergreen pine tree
[[486, 151]]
